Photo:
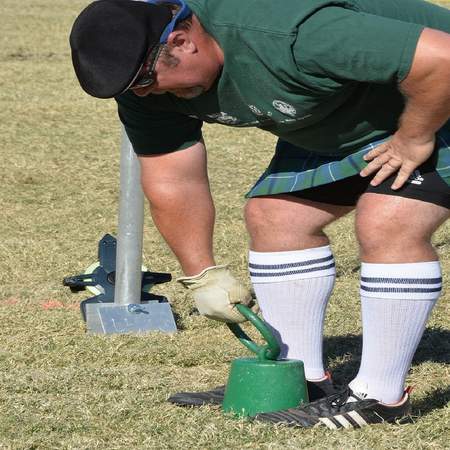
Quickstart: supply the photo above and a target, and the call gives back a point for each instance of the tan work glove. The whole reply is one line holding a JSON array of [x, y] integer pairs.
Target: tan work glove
[[216, 292]]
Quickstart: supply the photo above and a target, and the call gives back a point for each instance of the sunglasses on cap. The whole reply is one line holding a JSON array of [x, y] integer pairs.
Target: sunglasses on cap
[[146, 76]]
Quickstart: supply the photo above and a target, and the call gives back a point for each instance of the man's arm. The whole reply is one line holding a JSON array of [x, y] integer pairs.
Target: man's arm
[[177, 188], [427, 93]]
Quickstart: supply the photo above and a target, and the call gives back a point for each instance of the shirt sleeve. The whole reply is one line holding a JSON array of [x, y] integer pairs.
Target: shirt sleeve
[[346, 45], [152, 128]]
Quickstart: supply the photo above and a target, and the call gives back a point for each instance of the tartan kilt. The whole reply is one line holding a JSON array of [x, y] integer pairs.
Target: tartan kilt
[[294, 169]]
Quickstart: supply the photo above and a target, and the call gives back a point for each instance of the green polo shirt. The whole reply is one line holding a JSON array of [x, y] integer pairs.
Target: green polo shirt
[[321, 75]]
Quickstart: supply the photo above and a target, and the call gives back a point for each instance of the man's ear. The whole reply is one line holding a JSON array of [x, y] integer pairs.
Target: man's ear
[[180, 40]]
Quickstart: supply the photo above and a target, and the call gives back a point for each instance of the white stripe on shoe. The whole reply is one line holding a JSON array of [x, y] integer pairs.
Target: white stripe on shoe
[[353, 420], [343, 421], [357, 418], [328, 423]]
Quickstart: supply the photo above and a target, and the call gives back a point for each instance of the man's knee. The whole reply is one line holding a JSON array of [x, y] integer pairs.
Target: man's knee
[[394, 227], [378, 236], [266, 220], [255, 212], [288, 223], [280, 213]]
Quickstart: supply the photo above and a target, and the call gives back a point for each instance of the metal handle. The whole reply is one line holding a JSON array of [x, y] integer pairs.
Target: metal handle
[[269, 351]]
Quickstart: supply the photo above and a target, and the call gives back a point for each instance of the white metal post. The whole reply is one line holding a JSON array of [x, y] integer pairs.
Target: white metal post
[[130, 229]]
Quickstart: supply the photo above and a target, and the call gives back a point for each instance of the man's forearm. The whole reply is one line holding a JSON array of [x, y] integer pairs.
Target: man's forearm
[[177, 188], [185, 218], [427, 88]]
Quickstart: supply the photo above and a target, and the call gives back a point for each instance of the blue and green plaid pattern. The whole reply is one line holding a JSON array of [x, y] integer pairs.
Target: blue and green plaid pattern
[[294, 169]]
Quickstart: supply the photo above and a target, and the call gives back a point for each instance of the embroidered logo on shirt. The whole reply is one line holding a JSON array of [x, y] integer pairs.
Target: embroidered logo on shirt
[[284, 108], [415, 178], [255, 110], [223, 117]]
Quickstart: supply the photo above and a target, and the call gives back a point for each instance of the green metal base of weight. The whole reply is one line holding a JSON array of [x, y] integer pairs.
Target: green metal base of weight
[[262, 384]]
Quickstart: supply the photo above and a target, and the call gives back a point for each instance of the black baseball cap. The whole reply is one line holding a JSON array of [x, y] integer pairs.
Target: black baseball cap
[[110, 40]]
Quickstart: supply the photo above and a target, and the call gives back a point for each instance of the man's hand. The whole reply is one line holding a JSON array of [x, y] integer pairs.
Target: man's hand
[[216, 293], [397, 155]]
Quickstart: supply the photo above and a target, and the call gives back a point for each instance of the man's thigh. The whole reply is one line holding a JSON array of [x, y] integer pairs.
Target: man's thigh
[[284, 222], [378, 212], [396, 229]]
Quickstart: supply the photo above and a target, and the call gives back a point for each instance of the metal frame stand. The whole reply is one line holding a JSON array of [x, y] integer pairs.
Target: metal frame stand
[[122, 306]]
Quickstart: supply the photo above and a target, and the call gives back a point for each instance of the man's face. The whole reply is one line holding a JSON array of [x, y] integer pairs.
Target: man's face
[[194, 63], [187, 79]]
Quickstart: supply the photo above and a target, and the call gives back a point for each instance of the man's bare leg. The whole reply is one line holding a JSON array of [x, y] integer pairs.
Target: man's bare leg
[[283, 222], [292, 271], [400, 284]]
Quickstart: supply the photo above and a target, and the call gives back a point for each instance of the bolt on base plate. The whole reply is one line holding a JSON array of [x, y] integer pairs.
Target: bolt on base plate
[[111, 318]]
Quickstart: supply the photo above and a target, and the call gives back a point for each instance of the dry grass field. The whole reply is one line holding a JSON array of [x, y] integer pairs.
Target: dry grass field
[[63, 389]]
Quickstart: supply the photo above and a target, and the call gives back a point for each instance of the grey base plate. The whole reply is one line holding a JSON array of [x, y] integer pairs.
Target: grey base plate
[[111, 318]]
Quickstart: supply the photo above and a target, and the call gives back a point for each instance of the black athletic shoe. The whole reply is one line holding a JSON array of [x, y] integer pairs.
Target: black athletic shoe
[[212, 397], [342, 410], [316, 390]]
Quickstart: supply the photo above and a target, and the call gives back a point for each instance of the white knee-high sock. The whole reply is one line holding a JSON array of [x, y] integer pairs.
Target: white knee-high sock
[[293, 289], [396, 301]]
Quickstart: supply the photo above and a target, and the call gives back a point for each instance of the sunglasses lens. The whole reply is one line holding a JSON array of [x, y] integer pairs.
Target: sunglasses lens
[[145, 81], [147, 78]]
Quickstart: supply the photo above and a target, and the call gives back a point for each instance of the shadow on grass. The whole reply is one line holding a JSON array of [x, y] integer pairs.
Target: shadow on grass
[[434, 346], [436, 399]]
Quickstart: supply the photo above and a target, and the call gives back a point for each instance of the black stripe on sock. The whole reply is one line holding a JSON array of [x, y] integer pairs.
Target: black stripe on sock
[[403, 280], [400, 290], [290, 272], [290, 265]]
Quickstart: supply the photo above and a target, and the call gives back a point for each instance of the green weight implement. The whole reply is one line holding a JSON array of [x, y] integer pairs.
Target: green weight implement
[[262, 384]]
